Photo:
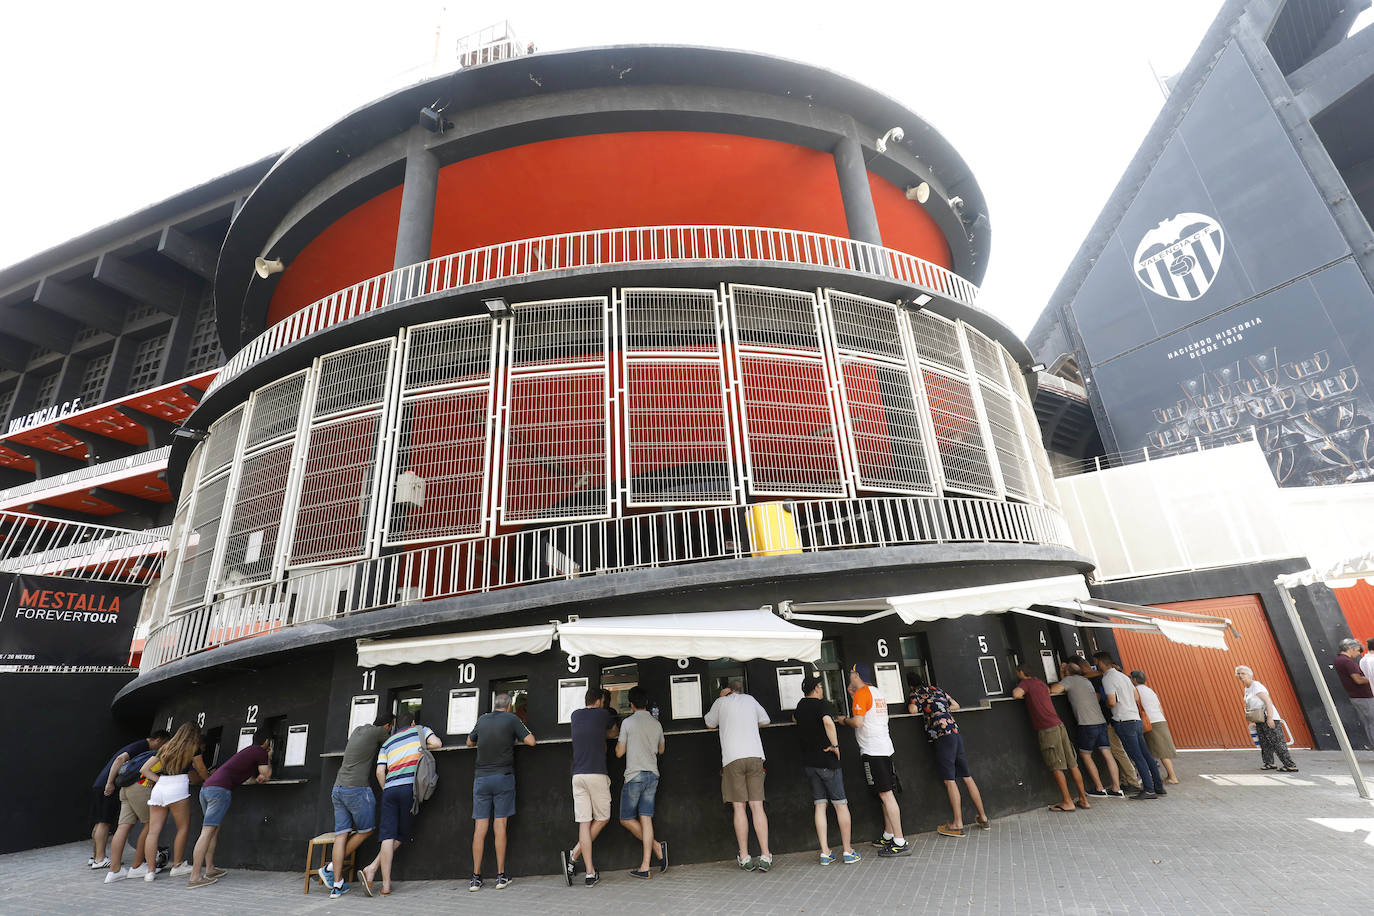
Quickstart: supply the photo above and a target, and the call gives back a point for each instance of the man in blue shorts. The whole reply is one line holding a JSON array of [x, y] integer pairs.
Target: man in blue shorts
[[1092, 729], [355, 807], [493, 783], [640, 743], [397, 762], [938, 707], [820, 755]]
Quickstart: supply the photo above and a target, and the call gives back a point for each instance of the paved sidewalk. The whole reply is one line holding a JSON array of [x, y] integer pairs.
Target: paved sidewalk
[[1229, 839]]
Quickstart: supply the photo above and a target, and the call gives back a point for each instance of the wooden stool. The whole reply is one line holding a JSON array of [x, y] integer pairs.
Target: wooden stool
[[325, 843]]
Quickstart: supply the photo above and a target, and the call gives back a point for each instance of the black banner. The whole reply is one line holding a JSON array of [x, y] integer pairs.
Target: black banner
[[46, 620]]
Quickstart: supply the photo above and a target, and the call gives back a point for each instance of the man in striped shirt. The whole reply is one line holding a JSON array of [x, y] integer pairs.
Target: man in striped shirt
[[396, 763]]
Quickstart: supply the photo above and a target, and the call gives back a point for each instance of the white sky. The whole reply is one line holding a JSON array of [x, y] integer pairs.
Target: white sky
[[109, 107]]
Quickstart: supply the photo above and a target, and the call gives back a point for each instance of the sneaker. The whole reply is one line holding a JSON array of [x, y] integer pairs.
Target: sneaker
[[896, 849], [662, 856], [637, 873], [884, 842], [114, 876], [592, 878], [852, 857], [184, 869], [1142, 795], [827, 859], [90, 861], [203, 881], [569, 866], [1116, 793], [338, 891], [502, 882], [103, 863], [1161, 792], [215, 873], [475, 884], [1097, 793], [139, 872], [745, 863], [326, 873], [765, 863], [152, 875]]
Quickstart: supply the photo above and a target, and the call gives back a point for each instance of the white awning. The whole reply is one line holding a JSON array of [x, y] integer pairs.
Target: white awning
[[954, 602], [1202, 630], [1190, 634], [1344, 574], [480, 644], [741, 635]]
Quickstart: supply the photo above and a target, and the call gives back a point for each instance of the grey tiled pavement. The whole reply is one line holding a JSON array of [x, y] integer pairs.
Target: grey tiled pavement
[[1229, 839]]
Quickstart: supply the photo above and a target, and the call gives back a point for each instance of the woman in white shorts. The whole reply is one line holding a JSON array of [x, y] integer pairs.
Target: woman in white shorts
[[172, 767]]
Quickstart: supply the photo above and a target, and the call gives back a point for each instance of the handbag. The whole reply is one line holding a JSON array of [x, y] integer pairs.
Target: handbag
[[1255, 713]]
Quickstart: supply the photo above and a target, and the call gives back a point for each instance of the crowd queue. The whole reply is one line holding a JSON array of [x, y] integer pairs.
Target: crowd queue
[[1120, 724]]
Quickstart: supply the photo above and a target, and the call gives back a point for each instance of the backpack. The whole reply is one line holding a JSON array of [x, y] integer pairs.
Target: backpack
[[426, 776], [128, 773]]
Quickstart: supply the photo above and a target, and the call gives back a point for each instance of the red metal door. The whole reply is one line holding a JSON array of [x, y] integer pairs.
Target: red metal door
[[1198, 687]]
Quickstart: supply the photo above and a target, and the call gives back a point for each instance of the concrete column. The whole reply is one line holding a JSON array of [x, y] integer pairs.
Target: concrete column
[[859, 212], [416, 226]]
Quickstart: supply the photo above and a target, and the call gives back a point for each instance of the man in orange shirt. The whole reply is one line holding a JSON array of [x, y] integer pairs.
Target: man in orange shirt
[[869, 722]]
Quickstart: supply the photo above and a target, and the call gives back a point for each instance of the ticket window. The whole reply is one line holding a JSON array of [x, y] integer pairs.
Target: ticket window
[[407, 700], [276, 727], [618, 680], [719, 674], [212, 739], [832, 678], [916, 660], [519, 690]]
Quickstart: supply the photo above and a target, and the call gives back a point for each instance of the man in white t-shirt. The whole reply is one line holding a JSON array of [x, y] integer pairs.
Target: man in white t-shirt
[[1367, 663], [738, 716], [869, 722]]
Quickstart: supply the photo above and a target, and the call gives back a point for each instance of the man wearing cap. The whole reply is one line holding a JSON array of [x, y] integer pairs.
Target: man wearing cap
[[1356, 684], [820, 753], [869, 722]]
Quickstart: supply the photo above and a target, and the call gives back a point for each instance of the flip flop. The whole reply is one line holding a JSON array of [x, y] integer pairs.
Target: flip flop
[[365, 881], [1060, 808]]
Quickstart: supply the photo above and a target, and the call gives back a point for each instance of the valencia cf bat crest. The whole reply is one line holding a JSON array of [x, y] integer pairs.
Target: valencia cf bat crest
[[1179, 258]]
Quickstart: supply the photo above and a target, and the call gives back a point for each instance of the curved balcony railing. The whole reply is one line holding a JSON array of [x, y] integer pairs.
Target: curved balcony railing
[[599, 248], [593, 548]]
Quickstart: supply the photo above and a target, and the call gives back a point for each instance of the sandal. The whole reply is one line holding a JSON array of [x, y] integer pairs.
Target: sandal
[[1288, 769], [1270, 766], [984, 823], [1061, 808]]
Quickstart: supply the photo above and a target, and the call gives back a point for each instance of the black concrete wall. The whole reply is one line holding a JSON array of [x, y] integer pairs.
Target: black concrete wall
[[60, 734], [1317, 608]]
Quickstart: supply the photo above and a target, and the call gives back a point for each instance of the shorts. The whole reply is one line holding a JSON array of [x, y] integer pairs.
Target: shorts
[[214, 804], [133, 804], [880, 775], [950, 761], [637, 795], [591, 797], [169, 790], [355, 809], [741, 780], [397, 821], [1093, 737], [493, 796], [104, 808], [827, 785], [1056, 749], [1160, 742]]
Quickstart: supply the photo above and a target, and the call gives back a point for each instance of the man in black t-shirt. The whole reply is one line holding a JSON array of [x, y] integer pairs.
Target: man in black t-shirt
[[591, 785], [493, 783], [820, 751]]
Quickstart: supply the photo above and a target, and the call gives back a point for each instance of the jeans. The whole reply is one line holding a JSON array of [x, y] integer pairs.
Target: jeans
[[1132, 735]]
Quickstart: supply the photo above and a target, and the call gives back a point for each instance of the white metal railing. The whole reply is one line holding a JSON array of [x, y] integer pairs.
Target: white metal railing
[[491, 44], [1070, 468], [593, 548], [598, 247], [154, 456], [51, 547]]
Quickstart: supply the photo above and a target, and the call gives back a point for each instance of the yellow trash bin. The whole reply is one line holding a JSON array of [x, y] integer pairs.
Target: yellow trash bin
[[772, 530]]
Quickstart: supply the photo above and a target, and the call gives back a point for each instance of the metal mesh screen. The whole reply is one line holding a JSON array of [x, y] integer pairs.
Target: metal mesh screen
[[448, 353], [775, 318], [250, 539], [1030, 427], [678, 435], [885, 425], [671, 319], [442, 466], [222, 443], [987, 356], [557, 447], [352, 379], [790, 430], [333, 521], [199, 549], [276, 410], [561, 331], [93, 377], [1006, 441], [937, 340], [865, 325], [963, 453]]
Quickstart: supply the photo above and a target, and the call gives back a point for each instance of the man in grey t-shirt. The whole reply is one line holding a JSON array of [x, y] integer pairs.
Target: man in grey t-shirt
[[640, 743], [493, 783], [355, 807], [1092, 730]]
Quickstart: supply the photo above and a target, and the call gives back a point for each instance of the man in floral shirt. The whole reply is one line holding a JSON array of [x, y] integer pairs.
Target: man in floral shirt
[[938, 708]]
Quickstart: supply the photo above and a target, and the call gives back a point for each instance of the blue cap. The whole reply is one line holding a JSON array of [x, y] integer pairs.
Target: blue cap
[[865, 672]]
